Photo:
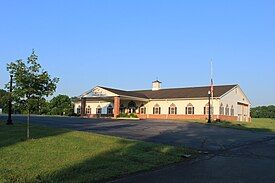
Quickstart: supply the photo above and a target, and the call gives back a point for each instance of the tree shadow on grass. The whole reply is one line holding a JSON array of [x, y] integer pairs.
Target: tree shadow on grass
[[135, 156], [12, 134]]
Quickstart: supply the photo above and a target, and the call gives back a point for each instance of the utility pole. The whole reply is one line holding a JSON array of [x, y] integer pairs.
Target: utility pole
[[9, 121]]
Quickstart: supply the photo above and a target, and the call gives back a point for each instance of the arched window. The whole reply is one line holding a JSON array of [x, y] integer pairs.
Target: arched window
[[172, 109], [110, 109], [189, 109], [156, 109], [98, 109], [88, 110], [232, 111], [78, 110], [142, 109], [221, 109], [227, 110], [206, 109], [132, 104]]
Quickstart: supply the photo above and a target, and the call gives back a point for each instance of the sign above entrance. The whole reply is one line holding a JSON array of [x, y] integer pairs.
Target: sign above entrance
[[99, 92]]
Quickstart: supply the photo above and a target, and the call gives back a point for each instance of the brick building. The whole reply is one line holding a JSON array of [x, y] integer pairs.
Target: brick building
[[229, 103]]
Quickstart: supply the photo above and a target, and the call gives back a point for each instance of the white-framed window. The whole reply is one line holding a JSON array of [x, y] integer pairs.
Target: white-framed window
[[110, 109], [221, 109], [98, 109], [78, 110], [156, 109], [173, 109], [232, 111], [88, 110], [189, 109], [206, 109], [227, 110], [142, 109]]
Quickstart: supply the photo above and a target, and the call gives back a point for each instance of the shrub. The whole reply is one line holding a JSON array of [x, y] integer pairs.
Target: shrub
[[133, 115], [127, 115]]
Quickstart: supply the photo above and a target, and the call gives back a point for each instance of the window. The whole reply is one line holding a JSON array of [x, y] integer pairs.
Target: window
[[88, 110], [172, 109], [142, 109], [221, 109], [122, 109], [98, 110], [227, 110], [78, 110], [206, 109], [156, 109], [232, 111], [189, 109], [110, 109]]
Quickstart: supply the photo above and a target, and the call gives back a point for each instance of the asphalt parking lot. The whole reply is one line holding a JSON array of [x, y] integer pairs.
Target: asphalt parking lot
[[229, 155]]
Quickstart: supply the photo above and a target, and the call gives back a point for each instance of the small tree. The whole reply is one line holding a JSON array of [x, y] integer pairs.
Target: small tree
[[31, 83]]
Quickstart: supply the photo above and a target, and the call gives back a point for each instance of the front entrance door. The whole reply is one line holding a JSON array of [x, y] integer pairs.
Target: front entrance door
[[131, 110], [132, 106]]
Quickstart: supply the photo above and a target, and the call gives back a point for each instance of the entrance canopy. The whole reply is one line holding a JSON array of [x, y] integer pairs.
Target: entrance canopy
[[108, 94]]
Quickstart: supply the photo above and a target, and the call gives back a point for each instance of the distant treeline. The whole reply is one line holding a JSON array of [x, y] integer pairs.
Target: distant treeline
[[59, 105], [263, 112]]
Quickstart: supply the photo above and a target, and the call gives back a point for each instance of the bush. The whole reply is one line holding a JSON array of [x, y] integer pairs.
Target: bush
[[127, 115], [133, 115]]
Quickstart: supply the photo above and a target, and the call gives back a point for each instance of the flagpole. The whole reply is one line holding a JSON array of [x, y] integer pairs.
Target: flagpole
[[212, 86]]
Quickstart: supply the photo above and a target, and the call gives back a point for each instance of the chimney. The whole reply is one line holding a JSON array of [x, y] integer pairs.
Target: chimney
[[156, 85]]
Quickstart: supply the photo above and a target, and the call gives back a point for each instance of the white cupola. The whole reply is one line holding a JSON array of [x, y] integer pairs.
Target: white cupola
[[156, 85]]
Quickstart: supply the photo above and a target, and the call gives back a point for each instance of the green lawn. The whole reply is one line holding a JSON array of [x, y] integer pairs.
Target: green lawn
[[60, 155], [257, 124]]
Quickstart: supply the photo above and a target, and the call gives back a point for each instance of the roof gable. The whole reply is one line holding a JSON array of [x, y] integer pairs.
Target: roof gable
[[98, 92]]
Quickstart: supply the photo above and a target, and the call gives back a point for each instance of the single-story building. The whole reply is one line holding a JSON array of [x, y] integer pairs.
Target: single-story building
[[229, 102]]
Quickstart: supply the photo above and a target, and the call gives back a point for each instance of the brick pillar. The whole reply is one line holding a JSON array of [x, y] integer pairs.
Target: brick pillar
[[83, 106], [116, 106]]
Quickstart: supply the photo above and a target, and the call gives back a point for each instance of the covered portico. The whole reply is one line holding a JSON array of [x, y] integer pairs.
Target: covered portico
[[100, 102]]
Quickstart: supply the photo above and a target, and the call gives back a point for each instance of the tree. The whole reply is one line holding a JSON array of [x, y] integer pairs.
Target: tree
[[4, 97], [31, 83], [263, 112], [61, 105]]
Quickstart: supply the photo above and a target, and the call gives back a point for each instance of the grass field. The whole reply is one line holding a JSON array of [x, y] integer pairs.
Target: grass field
[[60, 155], [257, 124]]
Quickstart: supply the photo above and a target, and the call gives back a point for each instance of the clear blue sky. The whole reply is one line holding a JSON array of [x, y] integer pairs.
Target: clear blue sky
[[127, 44]]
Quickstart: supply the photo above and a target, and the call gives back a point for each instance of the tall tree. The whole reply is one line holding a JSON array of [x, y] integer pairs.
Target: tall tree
[[31, 83], [61, 105]]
